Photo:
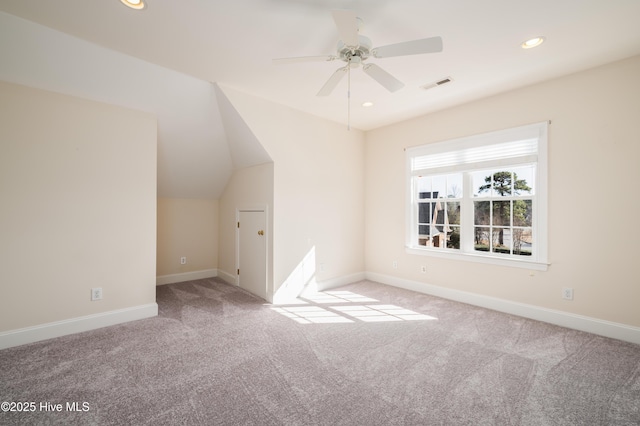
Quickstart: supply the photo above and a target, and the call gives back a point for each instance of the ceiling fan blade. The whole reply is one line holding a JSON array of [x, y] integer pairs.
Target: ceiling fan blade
[[347, 24], [415, 47], [332, 82], [324, 58], [389, 82]]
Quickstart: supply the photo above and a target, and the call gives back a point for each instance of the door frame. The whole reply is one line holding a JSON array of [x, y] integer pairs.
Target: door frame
[[264, 209]]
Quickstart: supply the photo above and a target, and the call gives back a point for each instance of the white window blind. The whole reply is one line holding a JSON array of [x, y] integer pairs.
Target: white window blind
[[494, 149], [525, 150]]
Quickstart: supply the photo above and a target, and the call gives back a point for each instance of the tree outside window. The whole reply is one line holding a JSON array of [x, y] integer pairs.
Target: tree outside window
[[503, 221]]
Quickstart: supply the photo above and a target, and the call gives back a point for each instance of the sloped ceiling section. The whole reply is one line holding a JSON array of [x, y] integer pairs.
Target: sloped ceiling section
[[245, 149], [194, 160], [233, 43]]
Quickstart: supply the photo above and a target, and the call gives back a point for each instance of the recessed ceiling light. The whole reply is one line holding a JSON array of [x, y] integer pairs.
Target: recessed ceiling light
[[367, 104], [134, 4], [532, 42]]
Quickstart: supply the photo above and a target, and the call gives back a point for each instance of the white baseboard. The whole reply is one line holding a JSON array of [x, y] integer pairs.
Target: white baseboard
[[564, 319], [340, 281], [50, 330], [288, 293], [227, 277], [186, 276], [91, 322]]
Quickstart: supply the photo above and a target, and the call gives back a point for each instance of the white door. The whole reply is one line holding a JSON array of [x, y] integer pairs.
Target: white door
[[252, 252]]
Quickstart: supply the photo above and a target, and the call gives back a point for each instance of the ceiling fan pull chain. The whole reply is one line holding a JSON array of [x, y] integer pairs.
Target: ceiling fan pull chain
[[349, 94]]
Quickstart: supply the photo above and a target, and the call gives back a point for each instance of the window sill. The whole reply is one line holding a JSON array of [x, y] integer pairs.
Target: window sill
[[478, 258]]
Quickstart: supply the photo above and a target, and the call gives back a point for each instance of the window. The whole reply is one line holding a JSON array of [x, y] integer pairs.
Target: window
[[480, 198]]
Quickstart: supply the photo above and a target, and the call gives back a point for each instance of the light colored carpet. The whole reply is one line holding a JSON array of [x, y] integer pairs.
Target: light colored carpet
[[364, 354]]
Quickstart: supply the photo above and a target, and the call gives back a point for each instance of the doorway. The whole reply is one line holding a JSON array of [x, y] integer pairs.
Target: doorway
[[251, 257]]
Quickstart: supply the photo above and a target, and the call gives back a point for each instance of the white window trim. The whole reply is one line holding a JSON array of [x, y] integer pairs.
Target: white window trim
[[536, 130]]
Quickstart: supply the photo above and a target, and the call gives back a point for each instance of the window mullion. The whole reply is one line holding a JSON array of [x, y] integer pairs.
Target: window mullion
[[414, 212], [466, 214]]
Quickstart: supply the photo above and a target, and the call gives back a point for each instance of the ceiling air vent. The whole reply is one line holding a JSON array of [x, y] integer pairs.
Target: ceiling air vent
[[437, 83]]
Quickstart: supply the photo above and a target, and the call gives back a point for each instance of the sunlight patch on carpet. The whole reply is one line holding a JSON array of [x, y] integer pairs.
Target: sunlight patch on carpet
[[338, 297], [375, 313], [311, 313]]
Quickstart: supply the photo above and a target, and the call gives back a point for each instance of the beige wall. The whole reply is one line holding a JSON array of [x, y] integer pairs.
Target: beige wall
[[70, 222], [318, 188], [250, 187], [187, 228], [594, 147], [78, 191]]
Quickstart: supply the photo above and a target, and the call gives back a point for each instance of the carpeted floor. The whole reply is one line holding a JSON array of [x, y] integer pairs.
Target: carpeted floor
[[364, 354]]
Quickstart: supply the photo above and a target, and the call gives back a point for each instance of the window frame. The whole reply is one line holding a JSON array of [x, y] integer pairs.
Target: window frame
[[481, 143]]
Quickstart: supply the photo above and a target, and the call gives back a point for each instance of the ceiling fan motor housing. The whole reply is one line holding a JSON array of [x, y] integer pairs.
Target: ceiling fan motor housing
[[355, 55]]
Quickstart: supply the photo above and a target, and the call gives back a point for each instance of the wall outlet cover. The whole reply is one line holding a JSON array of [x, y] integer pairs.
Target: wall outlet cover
[[96, 293]]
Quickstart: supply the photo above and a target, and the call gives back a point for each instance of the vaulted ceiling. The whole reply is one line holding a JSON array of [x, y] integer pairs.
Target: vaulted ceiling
[[164, 59]]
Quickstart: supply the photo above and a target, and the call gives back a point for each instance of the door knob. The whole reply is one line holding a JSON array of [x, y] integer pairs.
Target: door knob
[[261, 232]]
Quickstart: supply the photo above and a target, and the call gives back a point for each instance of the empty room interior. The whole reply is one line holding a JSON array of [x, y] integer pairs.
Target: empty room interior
[[319, 212]]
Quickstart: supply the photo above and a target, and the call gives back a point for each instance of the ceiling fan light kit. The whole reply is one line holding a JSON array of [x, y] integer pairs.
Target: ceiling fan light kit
[[362, 50], [354, 49]]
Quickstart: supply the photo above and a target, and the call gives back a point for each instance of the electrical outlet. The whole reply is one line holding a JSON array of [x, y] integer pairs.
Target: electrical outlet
[[183, 260], [395, 264], [423, 269], [96, 293], [322, 267], [567, 293]]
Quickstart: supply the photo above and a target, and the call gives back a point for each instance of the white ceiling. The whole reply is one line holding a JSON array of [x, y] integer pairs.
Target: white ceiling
[[190, 43]]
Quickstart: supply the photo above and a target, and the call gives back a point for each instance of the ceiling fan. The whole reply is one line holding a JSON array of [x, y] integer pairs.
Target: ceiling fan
[[354, 49]]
